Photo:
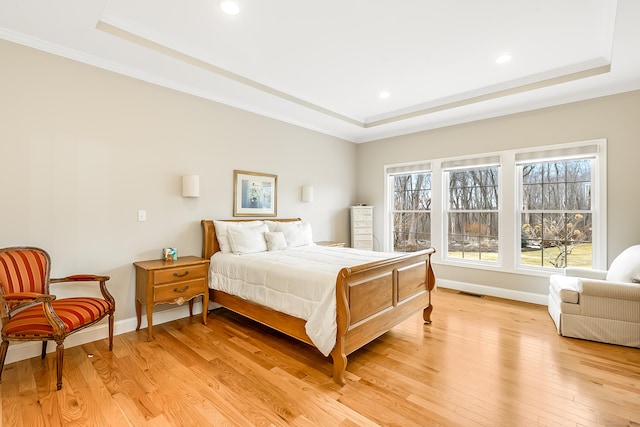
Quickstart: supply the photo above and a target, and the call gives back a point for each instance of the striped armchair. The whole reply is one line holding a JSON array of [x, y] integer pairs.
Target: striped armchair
[[599, 305], [30, 313]]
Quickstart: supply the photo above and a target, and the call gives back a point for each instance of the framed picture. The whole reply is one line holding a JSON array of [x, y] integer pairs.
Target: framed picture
[[254, 194]]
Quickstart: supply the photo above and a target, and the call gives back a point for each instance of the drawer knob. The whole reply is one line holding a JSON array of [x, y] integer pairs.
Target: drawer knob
[[181, 275], [181, 290]]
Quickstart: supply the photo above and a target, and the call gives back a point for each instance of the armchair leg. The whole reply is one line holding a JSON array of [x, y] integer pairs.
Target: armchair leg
[[44, 349], [3, 355], [59, 361]]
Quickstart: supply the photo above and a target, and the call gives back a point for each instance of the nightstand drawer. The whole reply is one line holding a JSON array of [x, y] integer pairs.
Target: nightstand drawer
[[185, 289], [179, 274]]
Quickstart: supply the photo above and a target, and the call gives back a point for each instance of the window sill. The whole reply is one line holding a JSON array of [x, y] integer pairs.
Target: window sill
[[498, 268]]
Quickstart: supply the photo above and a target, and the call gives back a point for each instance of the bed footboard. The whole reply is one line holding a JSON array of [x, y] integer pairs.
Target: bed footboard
[[373, 298]]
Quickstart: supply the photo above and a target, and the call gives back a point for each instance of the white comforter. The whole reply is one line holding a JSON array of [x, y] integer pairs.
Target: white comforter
[[296, 281]]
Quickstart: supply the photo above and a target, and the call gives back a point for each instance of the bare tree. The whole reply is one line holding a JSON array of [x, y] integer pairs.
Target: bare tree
[[556, 203], [412, 204]]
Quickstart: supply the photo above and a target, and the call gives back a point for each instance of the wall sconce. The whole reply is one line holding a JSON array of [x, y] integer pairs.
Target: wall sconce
[[307, 193], [190, 186]]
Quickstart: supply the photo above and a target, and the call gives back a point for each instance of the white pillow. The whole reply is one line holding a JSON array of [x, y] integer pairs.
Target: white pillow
[[247, 240], [296, 233], [221, 232], [626, 266], [275, 240], [275, 225]]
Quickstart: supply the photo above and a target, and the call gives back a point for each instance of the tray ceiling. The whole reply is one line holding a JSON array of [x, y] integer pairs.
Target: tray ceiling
[[322, 65]]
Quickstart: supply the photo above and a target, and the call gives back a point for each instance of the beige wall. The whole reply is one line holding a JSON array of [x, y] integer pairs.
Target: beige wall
[[82, 149], [616, 118]]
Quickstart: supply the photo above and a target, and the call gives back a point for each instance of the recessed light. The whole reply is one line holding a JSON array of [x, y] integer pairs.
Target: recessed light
[[384, 95], [503, 58], [229, 7]]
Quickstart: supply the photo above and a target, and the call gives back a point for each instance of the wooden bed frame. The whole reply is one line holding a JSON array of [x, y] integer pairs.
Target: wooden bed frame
[[371, 299]]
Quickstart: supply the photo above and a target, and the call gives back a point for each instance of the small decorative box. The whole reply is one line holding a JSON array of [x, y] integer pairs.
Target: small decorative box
[[170, 254]]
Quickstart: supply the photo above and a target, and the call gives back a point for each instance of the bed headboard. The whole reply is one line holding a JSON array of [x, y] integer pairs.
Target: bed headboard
[[209, 241]]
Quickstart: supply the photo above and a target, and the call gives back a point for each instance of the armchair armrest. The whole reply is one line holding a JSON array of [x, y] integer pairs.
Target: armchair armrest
[[18, 299], [88, 278], [586, 273], [26, 297], [80, 278], [608, 289]]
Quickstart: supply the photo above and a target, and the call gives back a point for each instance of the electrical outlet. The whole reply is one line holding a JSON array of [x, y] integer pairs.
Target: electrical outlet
[[142, 215]]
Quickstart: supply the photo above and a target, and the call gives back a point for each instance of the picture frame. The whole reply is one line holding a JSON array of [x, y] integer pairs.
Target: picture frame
[[254, 194]]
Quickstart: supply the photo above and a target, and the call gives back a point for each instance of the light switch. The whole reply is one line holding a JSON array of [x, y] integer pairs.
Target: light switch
[[142, 215]]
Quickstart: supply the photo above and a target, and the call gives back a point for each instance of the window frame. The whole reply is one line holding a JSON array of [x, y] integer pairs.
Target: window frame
[[509, 219], [390, 173], [447, 211], [596, 210]]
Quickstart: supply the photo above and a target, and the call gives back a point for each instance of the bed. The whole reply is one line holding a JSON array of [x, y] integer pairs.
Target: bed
[[369, 298]]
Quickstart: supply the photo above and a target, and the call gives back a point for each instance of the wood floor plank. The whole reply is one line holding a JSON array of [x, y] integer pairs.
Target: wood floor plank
[[130, 410], [276, 349], [482, 362]]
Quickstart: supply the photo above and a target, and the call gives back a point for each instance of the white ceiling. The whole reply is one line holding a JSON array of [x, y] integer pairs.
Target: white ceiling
[[322, 64]]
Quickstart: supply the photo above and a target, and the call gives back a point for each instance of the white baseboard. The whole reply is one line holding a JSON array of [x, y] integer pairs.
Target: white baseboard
[[511, 294], [27, 350]]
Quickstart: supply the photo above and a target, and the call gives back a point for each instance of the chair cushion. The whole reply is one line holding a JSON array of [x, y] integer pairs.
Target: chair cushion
[[626, 266], [74, 313]]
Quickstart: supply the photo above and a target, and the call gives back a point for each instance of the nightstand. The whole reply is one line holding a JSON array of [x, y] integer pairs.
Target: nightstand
[[171, 282], [330, 243]]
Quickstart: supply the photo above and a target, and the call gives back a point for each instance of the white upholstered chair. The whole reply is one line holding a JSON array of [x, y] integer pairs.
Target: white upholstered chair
[[599, 305]]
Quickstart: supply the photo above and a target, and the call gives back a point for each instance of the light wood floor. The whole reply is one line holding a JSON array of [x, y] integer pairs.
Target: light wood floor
[[483, 361]]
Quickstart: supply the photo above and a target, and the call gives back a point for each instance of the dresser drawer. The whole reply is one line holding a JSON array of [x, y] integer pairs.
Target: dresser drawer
[[179, 274], [362, 238], [361, 224], [363, 244], [359, 231], [362, 216], [186, 289]]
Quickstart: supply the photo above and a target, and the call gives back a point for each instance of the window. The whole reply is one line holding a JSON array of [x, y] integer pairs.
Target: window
[[411, 209], [556, 218], [473, 213], [526, 211]]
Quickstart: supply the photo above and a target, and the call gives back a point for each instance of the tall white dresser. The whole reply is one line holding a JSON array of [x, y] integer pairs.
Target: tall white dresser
[[362, 227]]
